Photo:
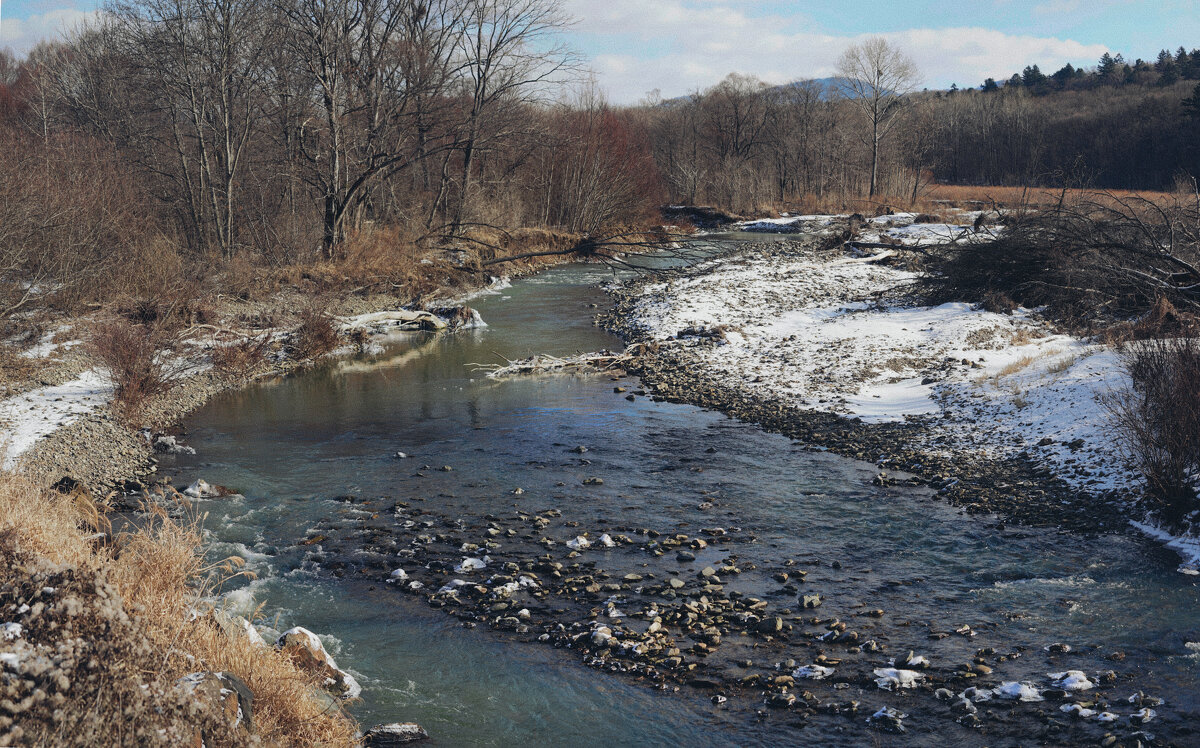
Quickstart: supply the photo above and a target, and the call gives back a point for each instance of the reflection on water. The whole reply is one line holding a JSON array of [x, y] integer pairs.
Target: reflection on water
[[292, 446]]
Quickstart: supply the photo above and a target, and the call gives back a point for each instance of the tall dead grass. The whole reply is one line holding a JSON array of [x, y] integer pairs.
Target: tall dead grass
[[160, 577]]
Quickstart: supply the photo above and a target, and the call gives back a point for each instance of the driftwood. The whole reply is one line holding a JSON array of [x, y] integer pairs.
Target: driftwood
[[598, 361]]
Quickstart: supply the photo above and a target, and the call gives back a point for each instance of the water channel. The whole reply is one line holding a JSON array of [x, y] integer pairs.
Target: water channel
[[292, 447]]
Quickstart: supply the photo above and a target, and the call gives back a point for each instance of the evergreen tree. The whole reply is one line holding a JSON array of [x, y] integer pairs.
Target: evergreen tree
[[1106, 66], [1191, 105], [990, 85], [1015, 81], [1168, 69], [1063, 75], [1032, 76]]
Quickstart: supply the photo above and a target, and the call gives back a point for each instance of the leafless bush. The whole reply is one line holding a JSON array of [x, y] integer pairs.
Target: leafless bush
[[240, 358], [316, 336], [1158, 420], [138, 358], [73, 228]]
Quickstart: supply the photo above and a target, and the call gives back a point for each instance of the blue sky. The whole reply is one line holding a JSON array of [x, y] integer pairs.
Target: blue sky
[[677, 46]]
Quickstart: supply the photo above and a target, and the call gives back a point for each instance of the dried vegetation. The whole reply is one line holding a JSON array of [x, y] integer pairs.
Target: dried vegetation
[[112, 626]]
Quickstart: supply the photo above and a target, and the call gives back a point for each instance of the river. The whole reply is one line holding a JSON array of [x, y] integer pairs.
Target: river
[[297, 447]]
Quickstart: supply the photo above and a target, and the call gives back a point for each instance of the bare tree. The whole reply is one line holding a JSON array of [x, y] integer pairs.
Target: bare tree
[[508, 54], [875, 78], [372, 70], [199, 64]]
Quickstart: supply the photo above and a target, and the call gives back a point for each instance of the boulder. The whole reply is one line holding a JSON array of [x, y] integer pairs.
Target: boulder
[[396, 733], [229, 692], [306, 650]]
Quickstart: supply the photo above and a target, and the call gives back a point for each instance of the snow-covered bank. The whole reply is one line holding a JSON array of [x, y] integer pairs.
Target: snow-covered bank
[[840, 334], [29, 417], [1187, 546]]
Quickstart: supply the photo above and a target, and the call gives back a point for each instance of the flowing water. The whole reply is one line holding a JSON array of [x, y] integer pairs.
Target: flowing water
[[293, 446]]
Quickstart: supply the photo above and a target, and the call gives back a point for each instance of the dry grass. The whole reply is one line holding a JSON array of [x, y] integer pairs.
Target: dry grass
[[158, 577], [972, 197], [1062, 364], [1015, 367], [1025, 336], [241, 357]]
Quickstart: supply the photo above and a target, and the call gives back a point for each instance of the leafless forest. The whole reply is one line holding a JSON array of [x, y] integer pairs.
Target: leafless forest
[[179, 140]]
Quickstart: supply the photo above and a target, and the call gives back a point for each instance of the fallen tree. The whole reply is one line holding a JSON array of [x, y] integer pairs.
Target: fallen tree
[[1096, 259]]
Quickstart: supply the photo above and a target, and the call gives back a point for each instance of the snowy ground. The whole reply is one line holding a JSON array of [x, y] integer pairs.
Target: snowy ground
[[837, 335], [26, 418]]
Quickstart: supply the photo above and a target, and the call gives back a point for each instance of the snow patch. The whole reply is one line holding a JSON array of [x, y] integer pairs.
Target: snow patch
[[29, 417]]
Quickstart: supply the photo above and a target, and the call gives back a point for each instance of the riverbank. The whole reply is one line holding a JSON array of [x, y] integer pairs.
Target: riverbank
[[61, 428], [1000, 413]]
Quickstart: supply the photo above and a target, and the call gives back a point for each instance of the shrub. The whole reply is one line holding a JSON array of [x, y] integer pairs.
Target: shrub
[[138, 359], [316, 336], [1158, 421], [240, 358]]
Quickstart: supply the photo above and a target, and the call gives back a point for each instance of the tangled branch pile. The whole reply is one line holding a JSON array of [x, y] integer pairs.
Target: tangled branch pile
[[1096, 259]]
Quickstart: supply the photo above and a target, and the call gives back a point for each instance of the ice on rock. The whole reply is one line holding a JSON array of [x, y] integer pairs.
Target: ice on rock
[[202, 489], [1143, 715], [1078, 710], [1017, 692], [887, 717], [891, 679], [10, 631], [813, 672], [345, 684], [469, 565], [1072, 680], [399, 575], [450, 586], [607, 541], [578, 544], [974, 694]]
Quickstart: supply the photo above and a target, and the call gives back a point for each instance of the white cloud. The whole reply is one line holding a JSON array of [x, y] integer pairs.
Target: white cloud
[[21, 34], [684, 46]]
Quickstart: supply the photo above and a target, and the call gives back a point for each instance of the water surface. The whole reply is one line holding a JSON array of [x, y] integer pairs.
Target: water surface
[[292, 447]]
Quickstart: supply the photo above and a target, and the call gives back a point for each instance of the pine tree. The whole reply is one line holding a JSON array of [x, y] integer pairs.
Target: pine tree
[[1191, 105], [1032, 76], [1107, 65], [990, 85], [1064, 75], [1014, 82]]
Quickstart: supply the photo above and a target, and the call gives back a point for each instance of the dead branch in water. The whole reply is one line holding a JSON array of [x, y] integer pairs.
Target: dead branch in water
[[598, 361], [636, 249]]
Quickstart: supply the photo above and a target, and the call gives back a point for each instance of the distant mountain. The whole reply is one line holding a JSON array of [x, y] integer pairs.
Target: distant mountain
[[829, 87]]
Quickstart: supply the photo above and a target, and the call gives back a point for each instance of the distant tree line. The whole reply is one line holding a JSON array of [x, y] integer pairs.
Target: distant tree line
[[743, 143], [1112, 70], [281, 129]]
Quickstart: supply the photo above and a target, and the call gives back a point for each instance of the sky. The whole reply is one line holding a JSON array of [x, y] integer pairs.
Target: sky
[[676, 47]]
